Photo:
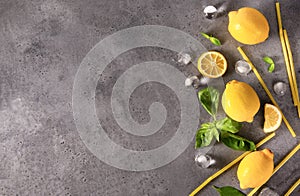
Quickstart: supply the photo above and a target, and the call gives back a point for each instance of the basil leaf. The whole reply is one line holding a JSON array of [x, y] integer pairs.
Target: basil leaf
[[268, 60], [205, 35], [205, 135], [209, 99], [216, 133], [215, 41], [229, 125], [228, 191], [212, 39], [271, 68], [236, 142]]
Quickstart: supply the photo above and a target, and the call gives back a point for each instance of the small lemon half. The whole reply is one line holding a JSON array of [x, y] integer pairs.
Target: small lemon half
[[212, 64]]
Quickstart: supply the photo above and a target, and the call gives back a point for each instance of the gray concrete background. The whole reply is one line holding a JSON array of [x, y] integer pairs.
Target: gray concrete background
[[42, 46]]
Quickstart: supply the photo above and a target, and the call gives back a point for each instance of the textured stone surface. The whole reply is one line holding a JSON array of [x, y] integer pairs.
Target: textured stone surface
[[42, 46]]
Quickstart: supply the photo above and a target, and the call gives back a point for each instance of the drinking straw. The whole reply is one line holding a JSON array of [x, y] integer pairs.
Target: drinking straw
[[288, 69], [279, 166], [285, 54], [292, 188], [291, 64], [245, 57], [278, 15], [290, 55], [229, 165]]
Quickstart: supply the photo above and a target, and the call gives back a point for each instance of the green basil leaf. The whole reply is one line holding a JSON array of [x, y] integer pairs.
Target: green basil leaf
[[271, 68], [205, 35], [215, 41], [229, 125], [268, 60], [209, 99], [205, 135], [237, 142], [216, 133], [228, 191]]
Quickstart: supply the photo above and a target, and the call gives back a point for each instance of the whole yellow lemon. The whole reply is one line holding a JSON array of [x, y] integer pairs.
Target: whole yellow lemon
[[255, 169], [240, 101], [248, 26]]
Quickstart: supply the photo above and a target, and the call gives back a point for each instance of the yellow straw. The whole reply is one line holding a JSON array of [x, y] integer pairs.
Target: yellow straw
[[288, 69], [266, 89], [285, 54], [292, 188], [278, 166], [215, 175], [289, 51], [278, 15], [291, 64]]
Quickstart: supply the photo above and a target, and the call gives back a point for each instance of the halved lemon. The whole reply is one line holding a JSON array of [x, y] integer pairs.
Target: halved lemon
[[212, 64], [273, 118]]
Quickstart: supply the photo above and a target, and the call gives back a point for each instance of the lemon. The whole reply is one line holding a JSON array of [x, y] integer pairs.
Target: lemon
[[212, 64], [240, 101], [255, 169], [248, 26], [273, 118]]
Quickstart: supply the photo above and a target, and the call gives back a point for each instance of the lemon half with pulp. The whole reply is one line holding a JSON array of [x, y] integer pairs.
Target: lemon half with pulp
[[212, 64]]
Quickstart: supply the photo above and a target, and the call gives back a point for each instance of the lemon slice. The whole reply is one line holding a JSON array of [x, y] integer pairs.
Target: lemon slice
[[273, 118], [212, 64]]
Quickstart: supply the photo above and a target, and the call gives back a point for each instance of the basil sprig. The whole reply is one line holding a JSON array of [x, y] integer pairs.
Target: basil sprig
[[222, 130], [212, 39], [228, 191], [271, 63]]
